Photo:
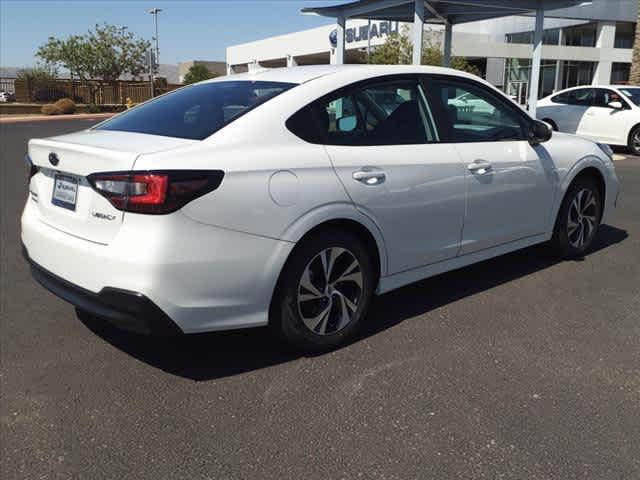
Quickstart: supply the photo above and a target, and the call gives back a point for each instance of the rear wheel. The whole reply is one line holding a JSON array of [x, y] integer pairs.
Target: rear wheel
[[634, 141], [324, 291], [578, 219]]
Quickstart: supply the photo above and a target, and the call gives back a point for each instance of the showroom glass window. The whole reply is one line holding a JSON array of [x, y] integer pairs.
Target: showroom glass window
[[474, 114], [197, 111], [384, 113]]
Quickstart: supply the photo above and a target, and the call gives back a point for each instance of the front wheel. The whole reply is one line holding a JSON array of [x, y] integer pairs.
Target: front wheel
[[634, 141], [578, 219], [324, 291]]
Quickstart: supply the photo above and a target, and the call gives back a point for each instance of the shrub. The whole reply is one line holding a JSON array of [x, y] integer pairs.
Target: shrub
[[51, 109], [66, 105], [93, 108]]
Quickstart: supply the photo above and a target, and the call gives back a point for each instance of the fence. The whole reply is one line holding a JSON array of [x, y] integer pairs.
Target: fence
[[88, 92]]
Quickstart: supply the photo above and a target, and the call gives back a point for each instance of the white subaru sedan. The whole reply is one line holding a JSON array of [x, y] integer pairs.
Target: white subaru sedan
[[290, 197], [605, 113]]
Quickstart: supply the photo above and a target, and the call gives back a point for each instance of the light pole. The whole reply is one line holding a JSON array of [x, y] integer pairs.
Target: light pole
[[155, 12]]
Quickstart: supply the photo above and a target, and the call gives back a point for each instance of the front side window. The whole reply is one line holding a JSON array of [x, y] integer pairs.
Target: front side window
[[603, 97], [474, 114], [196, 112], [386, 113]]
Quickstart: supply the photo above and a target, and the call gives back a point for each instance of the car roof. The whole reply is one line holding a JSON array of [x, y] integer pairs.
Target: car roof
[[307, 73], [593, 86]]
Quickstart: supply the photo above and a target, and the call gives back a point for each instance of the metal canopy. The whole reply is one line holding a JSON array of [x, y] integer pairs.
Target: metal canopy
[[448, 13], [438, 11]]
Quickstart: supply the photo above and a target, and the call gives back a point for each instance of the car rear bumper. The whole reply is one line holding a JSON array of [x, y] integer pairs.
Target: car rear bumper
[[204, 278], [123, 308]]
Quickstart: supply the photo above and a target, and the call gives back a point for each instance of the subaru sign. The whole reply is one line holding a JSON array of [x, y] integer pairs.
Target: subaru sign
[[357, 34]]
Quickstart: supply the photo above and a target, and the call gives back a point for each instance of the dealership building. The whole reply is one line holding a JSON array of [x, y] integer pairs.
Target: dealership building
[[584, 44]]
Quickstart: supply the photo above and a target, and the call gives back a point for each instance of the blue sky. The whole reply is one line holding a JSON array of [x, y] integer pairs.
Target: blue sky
[[188, 29]]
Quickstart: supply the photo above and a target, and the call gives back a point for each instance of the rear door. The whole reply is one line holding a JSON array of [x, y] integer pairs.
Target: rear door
[[509, 186], [580, 101], [65, 199], [385, 148]]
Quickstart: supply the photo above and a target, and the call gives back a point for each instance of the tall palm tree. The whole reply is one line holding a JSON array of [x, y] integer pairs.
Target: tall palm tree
[[634, 77]]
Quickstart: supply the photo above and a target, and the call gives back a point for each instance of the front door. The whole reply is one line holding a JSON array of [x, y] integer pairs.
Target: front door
[[385, 148], [509, 183], [603, 123]]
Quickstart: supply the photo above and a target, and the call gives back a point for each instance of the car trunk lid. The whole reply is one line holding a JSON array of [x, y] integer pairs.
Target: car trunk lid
[[65, 199]]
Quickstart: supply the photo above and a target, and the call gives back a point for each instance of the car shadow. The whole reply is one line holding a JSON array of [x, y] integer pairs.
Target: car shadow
[[209, 356]]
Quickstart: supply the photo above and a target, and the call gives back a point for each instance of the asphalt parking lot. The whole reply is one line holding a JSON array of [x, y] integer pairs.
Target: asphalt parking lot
[[520, 367]]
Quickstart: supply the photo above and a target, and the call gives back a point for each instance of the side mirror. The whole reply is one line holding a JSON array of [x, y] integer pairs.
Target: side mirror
[[616, 105], [539, 132], [347, 124]]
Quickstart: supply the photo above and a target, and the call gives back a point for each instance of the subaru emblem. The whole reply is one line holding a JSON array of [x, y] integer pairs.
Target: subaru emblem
[[53, 159]]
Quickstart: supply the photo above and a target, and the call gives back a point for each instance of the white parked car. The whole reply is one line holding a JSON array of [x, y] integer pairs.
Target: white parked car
[[604, 113], [6, 97], [295, 211]]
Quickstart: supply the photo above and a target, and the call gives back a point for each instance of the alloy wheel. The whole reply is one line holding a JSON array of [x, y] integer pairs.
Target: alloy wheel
[[330, 290], [635, 141], [582, 218]]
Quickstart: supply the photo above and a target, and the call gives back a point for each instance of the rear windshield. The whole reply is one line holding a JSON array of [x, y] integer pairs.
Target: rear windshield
[[197, 111]]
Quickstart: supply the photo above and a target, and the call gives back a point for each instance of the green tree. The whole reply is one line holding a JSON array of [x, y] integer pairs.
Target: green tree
[[197, 73], [37, 78], [103, 54], [398, 50]]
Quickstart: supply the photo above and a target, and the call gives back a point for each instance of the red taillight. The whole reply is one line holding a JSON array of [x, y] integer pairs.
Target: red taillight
[[155, 192]]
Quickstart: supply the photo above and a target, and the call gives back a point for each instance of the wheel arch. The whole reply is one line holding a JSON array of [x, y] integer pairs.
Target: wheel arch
[[633, 127], [343, 215], [589, 167], [551, 122]]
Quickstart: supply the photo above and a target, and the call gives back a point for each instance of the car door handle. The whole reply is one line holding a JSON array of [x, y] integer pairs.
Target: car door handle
[[479, 166], [370, 176]]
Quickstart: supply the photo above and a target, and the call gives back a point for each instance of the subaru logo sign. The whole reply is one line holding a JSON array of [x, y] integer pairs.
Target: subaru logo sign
[[333, 37], [364, 32], [53, 159]]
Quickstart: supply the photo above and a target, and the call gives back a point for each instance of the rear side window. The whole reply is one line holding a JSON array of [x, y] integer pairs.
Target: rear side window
[[197, 111], [561, 98], [386, 113], [583, 97]]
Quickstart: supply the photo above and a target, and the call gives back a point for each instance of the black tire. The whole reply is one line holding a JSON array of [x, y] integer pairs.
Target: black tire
[[633, 142], [554, 127], [286, 316], [565, 240]]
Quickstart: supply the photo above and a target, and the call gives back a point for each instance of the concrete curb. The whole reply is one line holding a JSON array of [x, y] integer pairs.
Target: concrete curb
[[46, 118]]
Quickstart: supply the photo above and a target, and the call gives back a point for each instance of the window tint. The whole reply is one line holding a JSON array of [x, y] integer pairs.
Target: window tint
[[561, 98], [632, 94], [474, 114], [582, 97], [389, 113], [197, 111], [604, 97]]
